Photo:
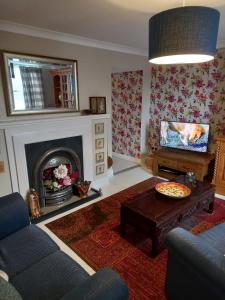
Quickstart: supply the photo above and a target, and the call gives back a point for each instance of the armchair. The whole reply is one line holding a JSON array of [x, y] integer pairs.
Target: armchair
[[196, 264]]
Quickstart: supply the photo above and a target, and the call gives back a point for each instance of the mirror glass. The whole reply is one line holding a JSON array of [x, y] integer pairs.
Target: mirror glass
[[40, 84]]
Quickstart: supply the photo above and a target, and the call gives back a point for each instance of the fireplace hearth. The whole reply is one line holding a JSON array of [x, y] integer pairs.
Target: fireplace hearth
[[75, 201]]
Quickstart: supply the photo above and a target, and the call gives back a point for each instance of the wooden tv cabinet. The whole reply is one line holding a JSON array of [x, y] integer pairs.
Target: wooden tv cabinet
[[170, 163]]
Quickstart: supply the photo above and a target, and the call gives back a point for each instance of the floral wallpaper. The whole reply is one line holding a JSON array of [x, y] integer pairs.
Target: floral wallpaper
[[189, 93], [126, 112]]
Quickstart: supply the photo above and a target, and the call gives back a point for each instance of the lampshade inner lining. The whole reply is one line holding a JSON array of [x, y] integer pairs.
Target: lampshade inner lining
[[181, 59]]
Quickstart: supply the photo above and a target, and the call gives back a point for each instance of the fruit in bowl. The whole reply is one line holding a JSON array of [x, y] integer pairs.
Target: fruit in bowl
[[173, 189]]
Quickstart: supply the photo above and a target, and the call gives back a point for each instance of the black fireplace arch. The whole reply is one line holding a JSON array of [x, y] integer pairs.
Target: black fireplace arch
[[39, 153], [53, 158]]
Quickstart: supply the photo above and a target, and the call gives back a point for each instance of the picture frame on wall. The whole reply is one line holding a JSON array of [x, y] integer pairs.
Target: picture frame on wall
[[99, 128], [101, 105], [93, 105], [99, 157], [99, 144], [97, 105], [100, 169]]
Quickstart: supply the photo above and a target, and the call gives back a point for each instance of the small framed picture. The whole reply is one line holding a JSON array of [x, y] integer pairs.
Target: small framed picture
[[99, 143], [99, 157], [101, 105], [97, 105], [99, 128], [93, 105], [100, 169]]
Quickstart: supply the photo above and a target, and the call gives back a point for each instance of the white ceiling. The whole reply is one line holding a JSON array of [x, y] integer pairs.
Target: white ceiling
[[123, 22]]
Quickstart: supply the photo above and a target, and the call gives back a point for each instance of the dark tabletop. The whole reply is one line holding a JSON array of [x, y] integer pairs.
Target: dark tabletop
[[155, 206]]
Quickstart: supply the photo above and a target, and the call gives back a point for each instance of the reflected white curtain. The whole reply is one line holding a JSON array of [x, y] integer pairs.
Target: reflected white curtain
[[32, 87]]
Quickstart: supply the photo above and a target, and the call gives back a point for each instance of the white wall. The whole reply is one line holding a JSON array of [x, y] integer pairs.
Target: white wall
[[94, 65], [94, 76]]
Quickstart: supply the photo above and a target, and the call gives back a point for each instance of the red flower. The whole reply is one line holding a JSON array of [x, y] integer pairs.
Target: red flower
[[171, 98], [173, 70], [185, 92], [217, 76], [160, 106], [74, 175], [210, 84], [199, 83], [181, 110], [47, 174], [196, 114], [211, 96]]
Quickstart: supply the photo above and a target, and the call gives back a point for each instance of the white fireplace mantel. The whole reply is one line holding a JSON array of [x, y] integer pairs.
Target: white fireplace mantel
[[19, 133]]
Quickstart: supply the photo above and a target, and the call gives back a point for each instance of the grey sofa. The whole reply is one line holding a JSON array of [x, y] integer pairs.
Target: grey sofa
[[196, 264], [38, 269]]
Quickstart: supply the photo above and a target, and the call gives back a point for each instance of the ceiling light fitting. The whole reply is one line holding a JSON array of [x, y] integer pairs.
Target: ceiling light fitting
[[183, 35]]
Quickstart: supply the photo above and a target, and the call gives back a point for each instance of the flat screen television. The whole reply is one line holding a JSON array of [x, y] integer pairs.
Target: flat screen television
[[186, 136]]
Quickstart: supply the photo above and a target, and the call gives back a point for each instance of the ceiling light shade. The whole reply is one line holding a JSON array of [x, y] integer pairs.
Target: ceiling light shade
[[183, 35]]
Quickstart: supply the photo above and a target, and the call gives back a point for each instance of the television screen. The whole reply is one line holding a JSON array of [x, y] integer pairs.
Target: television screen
[[187, 136]]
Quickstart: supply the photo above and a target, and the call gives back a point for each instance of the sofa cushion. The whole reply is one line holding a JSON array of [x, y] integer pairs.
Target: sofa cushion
[[24, 248], [13, 214], [7, 291], [50, 278], [106, 284], [215, 237]]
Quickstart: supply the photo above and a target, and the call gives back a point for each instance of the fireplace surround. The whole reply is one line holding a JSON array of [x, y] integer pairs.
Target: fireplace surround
[[18, 134]]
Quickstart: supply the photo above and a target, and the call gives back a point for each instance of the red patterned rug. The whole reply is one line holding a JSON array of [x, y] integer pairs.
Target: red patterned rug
[[93, 233]]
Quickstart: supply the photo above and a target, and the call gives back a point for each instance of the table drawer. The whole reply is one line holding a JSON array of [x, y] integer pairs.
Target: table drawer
[[167, 162], [187, 166]]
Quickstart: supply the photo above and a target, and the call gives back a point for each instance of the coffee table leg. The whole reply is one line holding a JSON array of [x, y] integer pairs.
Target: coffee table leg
[[211, 207], [155, 244]]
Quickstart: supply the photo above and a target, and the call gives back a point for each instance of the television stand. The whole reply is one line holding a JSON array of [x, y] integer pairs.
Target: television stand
[[170, 163]]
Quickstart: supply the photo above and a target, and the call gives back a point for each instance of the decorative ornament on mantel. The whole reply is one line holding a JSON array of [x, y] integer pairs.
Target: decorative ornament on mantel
[[185, 34], [83, 188]]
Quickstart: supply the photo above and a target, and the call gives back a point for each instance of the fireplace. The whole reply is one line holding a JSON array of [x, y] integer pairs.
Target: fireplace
[[21, 134], [52, 168]]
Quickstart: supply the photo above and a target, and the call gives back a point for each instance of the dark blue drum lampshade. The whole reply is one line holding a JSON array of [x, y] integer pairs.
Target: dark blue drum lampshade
[[183, 35]]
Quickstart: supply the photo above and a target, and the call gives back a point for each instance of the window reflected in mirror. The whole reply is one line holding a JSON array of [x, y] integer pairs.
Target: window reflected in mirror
[[40, 84]]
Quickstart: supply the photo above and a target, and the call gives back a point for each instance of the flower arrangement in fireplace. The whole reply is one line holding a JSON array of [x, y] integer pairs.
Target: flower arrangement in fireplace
[[58, 178]]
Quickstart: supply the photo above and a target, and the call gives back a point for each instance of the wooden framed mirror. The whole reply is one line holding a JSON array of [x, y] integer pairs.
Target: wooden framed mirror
[[36, 84]]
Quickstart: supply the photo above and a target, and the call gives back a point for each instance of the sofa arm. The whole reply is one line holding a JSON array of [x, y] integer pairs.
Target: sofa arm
[[105, 284], [13, 214], [194, 270]]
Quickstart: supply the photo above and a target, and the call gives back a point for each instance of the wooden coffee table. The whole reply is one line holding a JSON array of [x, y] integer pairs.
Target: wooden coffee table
[[155, 214]]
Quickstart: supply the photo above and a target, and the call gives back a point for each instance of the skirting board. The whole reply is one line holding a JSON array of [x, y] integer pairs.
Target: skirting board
[[130, 158]]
